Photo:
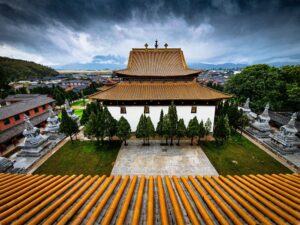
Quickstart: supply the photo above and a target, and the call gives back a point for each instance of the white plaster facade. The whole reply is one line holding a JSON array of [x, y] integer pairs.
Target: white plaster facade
[[133, 114]]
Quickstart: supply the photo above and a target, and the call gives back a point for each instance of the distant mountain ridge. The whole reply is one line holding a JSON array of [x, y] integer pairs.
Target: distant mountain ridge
[[16, 69], [111, 62], [99, 62], [208, 66]]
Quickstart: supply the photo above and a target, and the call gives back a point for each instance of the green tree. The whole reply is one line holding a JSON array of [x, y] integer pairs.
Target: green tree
[[141, 130], [193, 129], [124, 130], [207, 126], [68, 126], [59, 96], [159, 128], [244, 122], [293, 92], [181, 130], [222, 130], [166, 127], [150, 129], [110, 123], [262, 84], [201, 131], [113, 128], [290, 77], [84, 118], [92, 107], [233, 114], [91, 126], [173, 118]]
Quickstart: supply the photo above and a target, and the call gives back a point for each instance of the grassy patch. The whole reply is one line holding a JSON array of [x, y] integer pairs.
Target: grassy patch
[[78, 112], [240, 156], [82, 157], [80, 102]]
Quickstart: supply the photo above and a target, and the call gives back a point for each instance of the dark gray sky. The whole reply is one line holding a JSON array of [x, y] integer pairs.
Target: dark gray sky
[[57, 32]]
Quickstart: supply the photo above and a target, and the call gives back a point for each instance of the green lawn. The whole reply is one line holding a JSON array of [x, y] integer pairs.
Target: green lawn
[[82, 157], [250, 159], [78, 112], [80, 102]]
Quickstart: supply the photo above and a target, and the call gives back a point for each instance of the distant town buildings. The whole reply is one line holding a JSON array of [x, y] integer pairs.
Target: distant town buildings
[[69, 82], [215, 76]]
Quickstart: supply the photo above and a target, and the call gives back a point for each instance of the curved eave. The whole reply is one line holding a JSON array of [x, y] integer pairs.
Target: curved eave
[[126, 73]]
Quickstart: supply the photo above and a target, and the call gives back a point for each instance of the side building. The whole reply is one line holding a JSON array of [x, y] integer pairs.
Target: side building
[[153, 79], [12, 115]]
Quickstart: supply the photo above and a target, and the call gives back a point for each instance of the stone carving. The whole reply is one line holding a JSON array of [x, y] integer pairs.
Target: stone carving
[[247, 111], [262, 121], [52, 122], [7, 166], [70, 112], [260, 127], [34, 142], [285, 140]]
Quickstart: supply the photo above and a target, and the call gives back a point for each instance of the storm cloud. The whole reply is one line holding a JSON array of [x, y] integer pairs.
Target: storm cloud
[[56, 32]]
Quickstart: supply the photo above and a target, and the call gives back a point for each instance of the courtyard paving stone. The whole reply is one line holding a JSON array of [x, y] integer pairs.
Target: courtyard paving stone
[[155, 159]]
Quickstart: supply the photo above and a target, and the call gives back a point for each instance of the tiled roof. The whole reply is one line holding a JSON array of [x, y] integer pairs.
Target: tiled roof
[[158, 90], [46, 199], [18, 129], [157, 63], [24, 105], [20, 97]]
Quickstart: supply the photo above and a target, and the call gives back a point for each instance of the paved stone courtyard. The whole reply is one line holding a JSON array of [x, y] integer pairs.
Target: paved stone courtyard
[[183, 160]]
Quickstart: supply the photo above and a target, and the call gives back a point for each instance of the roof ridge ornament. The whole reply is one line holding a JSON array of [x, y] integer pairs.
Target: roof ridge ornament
[[246, 105], [291, 123], [146, 45], [166, 45], [266, 111], [156, 44]]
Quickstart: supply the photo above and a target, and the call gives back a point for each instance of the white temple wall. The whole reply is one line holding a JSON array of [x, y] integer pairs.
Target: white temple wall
[[133, 114]]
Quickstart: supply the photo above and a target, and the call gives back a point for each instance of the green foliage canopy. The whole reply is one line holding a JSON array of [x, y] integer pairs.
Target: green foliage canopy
[[262, 83], [68, 126], [193, 129], [124, 129]]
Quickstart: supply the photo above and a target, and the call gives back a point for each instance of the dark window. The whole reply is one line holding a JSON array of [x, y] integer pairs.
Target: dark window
[[36, 109], [194, 109], [6, 121], [44, 107], [27, 113], [146, 109], [17, 117], [123, 110]]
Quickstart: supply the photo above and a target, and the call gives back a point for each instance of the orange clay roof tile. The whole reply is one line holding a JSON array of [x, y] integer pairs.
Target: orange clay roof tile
[[159, 62], [253, 199], [158, 90]]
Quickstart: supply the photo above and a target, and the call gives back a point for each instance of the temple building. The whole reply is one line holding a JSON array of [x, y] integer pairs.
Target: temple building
[[12, 115], [153, 79]]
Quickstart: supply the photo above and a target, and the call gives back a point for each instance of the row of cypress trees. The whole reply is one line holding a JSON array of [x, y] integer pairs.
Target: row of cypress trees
[[170, 127], [228, 119], [99, 123]]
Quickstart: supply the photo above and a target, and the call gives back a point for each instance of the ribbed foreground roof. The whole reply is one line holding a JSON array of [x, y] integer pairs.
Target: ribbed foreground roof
[[41, 199], [157, 62], [158, 90]]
